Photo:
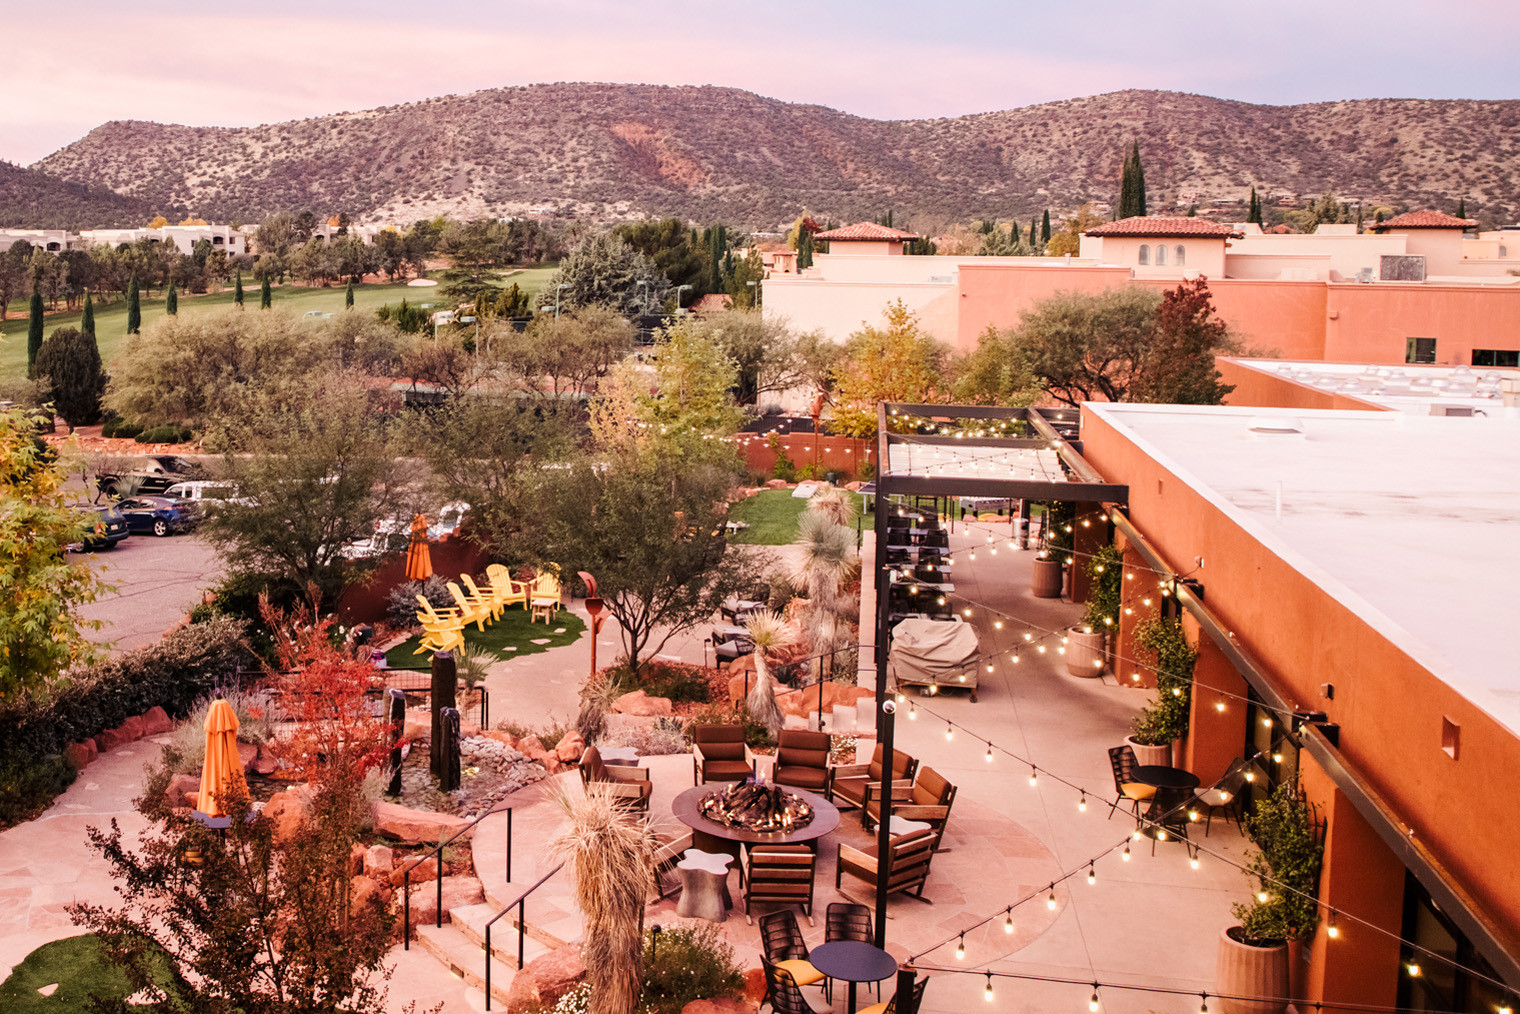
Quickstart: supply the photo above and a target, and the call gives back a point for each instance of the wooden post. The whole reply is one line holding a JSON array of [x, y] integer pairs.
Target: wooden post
[[448, 777], [445, 680], [398, 724]]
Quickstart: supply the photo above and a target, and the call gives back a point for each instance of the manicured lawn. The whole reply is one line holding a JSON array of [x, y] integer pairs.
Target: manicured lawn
[[79, 969], [772, 515], [111, 321], [509, 637]]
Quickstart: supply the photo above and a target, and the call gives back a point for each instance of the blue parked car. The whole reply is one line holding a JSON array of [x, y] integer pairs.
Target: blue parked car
[[107, 526], [156, 514]]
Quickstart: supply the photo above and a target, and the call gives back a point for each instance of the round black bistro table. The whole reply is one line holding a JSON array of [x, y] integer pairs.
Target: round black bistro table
[[1172, 786], [710, 836], [852, 961]]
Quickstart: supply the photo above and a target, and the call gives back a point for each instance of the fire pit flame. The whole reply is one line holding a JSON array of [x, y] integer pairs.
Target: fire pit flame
[[755, 806]]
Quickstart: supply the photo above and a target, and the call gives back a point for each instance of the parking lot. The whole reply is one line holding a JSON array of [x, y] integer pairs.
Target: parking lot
[[157, 582]]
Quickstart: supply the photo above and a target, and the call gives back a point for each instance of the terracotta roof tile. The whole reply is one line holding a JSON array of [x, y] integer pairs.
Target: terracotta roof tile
[[1425, 220], [868, 231], [1155, 225]]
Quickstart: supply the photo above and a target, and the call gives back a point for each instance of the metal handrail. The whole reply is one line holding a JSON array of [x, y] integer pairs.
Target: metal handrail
[[406, 874], [521, 927]]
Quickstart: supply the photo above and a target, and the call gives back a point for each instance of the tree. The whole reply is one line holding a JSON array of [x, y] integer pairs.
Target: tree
[[559, 359], [1178, 366], [1045, 227], [87, 321], [1462, 207], [311, 478], [1132, 185], [1032, 240], [134, 308], [39, 626], [171, 301], [995, 373], [668, 245], [1069, 239], [681, 398], [769, 355], [604, 270], [825, 564], [70, 362], [1253, 209], [14, 277], [1086, 347], [266, 296], [33, 334], [649, 526], [348, 296], [770, 635], [740, 274], [997, 243], [899, 362], [804, 250], [237, 294]]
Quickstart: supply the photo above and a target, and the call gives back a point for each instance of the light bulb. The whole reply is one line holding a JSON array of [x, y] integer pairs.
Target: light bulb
[[1266, 723], [987, 993], [989, 753], [973, 554], [1146, 600], [1034, 776], [1008, 922], [901, 697], [1332, 930], [933, 689], [1250, 776], [1082, 804], [1193, 862], [1060, 651], [949, 732], [966, 612], [1129, 577], [1028, 636], [1277, 758], [1041, 649], [1219, 706], [1092, 1003], [1261, 896], [1050, 902], [1126, 852], [1414, 970], [1161, 834], [912, 711], [960, 949], [1092, 875], [1015, 656], [997, 624], [1203, 1005], [1065, 640], [1176, 691], [1193, 816], [989, 666]]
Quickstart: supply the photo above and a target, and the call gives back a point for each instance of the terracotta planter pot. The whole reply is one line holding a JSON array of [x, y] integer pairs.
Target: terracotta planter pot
[[1148, 755], [1045, 582], [1084, 652], [1244, 970]]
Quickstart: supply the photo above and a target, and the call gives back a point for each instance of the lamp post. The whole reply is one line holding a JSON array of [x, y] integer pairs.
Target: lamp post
[[557, 290], [678, 296], [597, 610]]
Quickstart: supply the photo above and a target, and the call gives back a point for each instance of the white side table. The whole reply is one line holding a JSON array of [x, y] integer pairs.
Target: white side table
[[899, 825], [704, 886], [618, 754]]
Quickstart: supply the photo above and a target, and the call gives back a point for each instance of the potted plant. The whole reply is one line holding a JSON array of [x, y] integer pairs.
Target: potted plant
[[1055, 546], [1253, 956], [1165, 719], [1087, 641]]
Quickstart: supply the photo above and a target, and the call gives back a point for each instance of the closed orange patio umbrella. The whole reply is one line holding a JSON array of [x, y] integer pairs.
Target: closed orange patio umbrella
[[223, 769], [419, 560]]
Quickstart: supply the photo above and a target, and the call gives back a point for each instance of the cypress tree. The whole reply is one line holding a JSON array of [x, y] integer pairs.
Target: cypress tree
[[1461, 207], [1032, 231], [1045, 227], [1139, 182], [348, 296], [889, 218], [1126, 189], [33, 335], [134, 308], [87, 323], [1379, 217], [237, 294], [266, 297], [804, 250], [171, 301], [1253, 208]]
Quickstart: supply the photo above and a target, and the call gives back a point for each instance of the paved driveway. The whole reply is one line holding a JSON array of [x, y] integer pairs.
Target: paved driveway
[[157, 582]]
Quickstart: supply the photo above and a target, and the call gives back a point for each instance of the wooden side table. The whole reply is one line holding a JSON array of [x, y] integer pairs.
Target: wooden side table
[[704, 886]]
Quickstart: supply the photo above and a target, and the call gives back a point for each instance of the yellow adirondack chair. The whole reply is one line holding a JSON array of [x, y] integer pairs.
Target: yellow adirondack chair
[[441, 631], [470, 610], [506, 590], [545, 597], [487, 596]]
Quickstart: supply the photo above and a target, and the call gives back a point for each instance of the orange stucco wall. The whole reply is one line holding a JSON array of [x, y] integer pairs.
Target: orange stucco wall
[[1304, 638], [1372, 321], [997, 295]]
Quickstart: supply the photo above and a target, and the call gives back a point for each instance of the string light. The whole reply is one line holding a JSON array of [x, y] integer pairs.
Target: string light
[[1092, 875], [1203, 1003], [1331, 929], [949, 732], [1193, 862], [1008, 922], [1034, 776], [1413, 969], [1050, 902], [989, 751], [1082, 803], [960, 949], [912, 712], [987, 993], [1092, 1003], [1126, 852]]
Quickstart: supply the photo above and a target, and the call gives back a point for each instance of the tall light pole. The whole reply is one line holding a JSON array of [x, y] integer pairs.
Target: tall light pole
[[557, 290], [678, 296]]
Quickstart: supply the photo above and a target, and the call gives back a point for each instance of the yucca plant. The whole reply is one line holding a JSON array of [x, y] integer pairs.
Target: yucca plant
[[769, 633], [835, 504], [613, 858], [826, 564]]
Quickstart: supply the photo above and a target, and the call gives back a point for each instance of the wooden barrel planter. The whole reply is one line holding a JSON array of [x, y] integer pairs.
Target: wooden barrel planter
[[1247, 970], [1084, 652], [1045, 582]]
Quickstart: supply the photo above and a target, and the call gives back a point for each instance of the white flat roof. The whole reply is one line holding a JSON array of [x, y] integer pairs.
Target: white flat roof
[[1411, 522], [1411, 388], [974, 460]]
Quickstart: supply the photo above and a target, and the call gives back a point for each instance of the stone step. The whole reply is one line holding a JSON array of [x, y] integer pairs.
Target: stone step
[[471, 921], [466, 959], [554, 935]]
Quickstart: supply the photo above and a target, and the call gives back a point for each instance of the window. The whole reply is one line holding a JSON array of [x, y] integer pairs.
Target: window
[[1425, 981], [1181, 253], [1145, 253], [217, 240], [1160, 255], [1503, 250], [1419, 350], [1496, 357]]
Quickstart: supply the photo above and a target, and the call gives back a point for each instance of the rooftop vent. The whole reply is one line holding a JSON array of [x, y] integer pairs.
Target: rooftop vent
[[1276, 424]]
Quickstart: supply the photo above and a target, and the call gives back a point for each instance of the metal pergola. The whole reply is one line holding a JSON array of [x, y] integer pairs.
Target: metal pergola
[[1047, 465]]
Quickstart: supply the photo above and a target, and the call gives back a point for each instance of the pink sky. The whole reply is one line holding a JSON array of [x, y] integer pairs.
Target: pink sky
[[184, 63]]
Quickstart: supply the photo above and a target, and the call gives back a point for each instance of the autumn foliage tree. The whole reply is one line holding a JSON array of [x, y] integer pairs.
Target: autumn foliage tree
[[899, 362], [1179, 361]]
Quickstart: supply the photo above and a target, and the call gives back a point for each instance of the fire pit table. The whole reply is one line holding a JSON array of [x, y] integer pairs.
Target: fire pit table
[[713, 836]]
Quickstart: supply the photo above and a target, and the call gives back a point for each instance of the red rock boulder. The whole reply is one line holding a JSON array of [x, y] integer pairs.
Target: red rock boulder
[[415, 826], [156, 722], [641, 704], [545, 979], [79, 756]]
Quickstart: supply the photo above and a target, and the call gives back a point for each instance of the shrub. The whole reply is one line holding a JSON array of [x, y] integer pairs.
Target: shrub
[[784, 469], [755, 734], [1106, 569], [653, 739], [675, 681], [401, 603], [690, 962], [28, 785], [164, 433], [116, 426], [1165, 718], [1286, 833], [188, 743]]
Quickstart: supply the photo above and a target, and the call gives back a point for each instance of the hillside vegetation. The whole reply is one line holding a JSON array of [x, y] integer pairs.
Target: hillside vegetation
[[711, 154]]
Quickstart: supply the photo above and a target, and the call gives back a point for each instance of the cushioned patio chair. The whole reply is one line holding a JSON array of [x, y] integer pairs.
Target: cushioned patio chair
[[780, 875], [1228, 794], [908, 859], [781, 991], [719, 754], [781, 940], [890, 1007], [848, 784], [629, 785], [802, 760], [928, 799], [1122, 760]]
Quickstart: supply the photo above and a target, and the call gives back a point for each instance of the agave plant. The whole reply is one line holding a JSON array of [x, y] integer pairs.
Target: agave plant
[[613, 859], [826, 564], [769, 633]]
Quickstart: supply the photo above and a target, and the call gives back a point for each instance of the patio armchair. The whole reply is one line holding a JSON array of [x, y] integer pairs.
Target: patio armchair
[[908, 857], [849, 781], [719, 754], [629, 786], [928, 799], [1227, 794], [505, 590], [910, 1007], [441, 630], [470, 610], [1122, 760], [802, 760], [778, 874], [782, 993], [544, 599], [486, 596], [784, 947], [667, 854]]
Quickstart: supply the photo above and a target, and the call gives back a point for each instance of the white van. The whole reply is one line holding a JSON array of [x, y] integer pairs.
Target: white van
[[201, 490]]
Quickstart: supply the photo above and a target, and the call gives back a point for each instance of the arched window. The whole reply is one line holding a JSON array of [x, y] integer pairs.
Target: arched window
[[1145, 253], [1181, 260], [1160, 255], [1503, 251]]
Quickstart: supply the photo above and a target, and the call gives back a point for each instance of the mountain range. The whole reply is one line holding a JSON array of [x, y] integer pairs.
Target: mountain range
[[712, 154]]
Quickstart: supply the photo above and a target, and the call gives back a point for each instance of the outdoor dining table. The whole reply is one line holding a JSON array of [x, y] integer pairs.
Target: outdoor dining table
[[1173, 787], [710, 836], [853, 961]]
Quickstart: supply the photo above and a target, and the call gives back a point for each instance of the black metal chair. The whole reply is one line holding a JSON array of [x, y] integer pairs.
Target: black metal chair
[[844, 920], [1122, 760], [891, 1007], [1228, 794], [784, 947], [782, 993]]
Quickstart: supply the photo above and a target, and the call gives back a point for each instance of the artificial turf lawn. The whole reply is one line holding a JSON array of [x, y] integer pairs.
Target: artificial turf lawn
[[79, 968], [511, 631], [772, 516]]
